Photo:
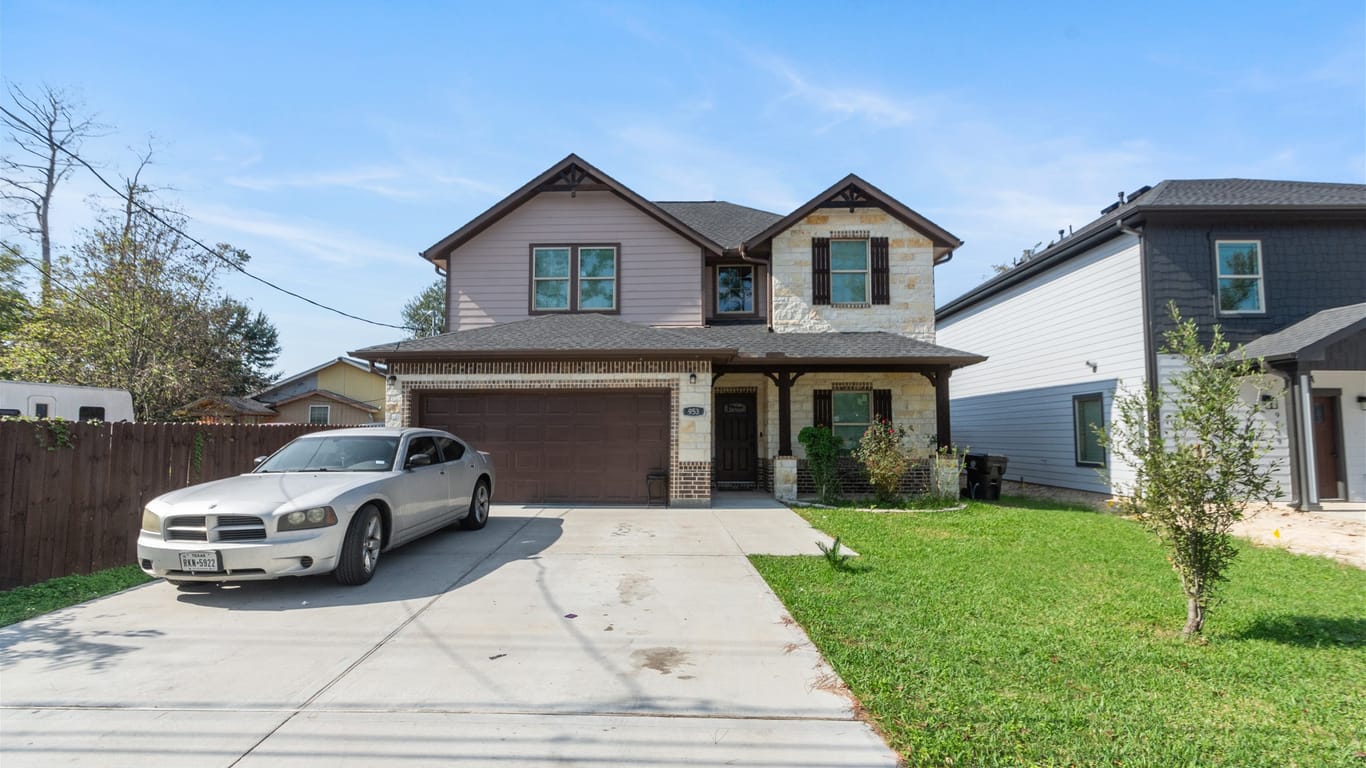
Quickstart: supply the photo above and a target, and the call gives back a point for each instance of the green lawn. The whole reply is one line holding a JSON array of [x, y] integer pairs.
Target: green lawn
[[34, 600], [1035, 635]]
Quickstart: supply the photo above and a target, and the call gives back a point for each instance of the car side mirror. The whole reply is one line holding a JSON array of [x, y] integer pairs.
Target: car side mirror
[[257, 461], [419, 460]]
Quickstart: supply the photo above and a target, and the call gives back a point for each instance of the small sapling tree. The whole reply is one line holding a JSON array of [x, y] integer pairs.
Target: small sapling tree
[[1197, 450]]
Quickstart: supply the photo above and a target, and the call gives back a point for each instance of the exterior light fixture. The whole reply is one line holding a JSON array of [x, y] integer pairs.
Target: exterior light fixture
[[692, 378], [1361, 402]]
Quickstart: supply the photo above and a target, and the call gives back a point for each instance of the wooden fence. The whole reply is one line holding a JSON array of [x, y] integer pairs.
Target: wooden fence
[[71, 494]]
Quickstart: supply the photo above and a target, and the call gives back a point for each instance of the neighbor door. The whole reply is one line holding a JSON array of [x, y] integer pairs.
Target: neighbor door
[[1326, 442]]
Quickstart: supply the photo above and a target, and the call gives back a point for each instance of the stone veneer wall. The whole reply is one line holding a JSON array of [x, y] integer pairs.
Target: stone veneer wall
[[690, 443], [911, 311], [912, 404]]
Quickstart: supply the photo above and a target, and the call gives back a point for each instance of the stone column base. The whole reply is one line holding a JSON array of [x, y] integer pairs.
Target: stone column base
[[785, 478]]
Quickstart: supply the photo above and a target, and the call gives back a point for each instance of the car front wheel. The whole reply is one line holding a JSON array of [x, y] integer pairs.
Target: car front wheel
[[479, 508], [361, 547]]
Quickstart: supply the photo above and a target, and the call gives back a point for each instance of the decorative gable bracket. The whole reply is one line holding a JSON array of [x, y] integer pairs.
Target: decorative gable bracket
[[572, 179], [851, 197]]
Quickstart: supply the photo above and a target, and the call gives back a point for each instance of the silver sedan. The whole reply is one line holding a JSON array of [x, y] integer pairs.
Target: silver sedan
[[326, 502]]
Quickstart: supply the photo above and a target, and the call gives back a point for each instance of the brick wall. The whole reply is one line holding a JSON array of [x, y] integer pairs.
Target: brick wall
[[855, 483]]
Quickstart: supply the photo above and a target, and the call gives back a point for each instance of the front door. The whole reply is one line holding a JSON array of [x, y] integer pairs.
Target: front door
[[1326, 443], [737, 444]]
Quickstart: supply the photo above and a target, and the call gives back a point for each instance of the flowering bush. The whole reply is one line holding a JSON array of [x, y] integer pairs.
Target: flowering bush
[[883, 453]]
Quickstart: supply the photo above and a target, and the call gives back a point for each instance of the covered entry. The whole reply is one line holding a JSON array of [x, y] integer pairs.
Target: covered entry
[[561, 445]]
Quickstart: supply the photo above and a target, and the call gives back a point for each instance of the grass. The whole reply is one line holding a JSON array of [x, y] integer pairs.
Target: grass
[[36, 599], [1035, 635]]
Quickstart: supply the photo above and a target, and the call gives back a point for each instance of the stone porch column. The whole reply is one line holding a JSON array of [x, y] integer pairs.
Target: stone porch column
[[785, 478]]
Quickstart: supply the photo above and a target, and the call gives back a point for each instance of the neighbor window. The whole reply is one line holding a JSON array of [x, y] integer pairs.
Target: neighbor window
[[1088, 415], [319, 414], [852, 413], [1240, 276], [90, 413], [849, 271], [572, 278], [40, 410], [734, 290]]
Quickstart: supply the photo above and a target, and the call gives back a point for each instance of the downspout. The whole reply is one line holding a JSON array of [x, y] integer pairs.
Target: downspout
[[1149, 347], [768, 288]]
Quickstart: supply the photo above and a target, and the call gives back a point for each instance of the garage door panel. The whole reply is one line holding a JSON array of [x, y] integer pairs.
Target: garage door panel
[[561, 445]]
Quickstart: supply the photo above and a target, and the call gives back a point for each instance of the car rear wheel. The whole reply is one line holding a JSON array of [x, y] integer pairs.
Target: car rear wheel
[[361, 548], [479, 508]]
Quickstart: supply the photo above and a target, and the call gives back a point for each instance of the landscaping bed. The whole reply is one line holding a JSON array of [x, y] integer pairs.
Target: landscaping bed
[[1031, 634]]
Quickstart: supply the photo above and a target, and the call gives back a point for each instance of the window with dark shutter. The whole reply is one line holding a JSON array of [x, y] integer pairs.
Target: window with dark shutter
[[820, 270], [823, 415], [881, 271], [882, 403]]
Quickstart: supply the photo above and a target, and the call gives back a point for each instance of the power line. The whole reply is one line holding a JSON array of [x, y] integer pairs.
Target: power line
[[155, 217]]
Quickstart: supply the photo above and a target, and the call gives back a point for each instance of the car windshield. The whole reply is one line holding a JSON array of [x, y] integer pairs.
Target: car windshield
[[334, 454]]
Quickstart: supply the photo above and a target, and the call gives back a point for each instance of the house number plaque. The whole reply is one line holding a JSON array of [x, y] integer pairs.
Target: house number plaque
[[693, 410]]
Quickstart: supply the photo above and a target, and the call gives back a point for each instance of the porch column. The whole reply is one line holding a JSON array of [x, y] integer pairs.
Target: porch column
[[784, 381], [1309, 489], [941, 406], [1293, 428]]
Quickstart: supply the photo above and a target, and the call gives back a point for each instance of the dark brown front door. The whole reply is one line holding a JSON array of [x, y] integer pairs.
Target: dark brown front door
[[1326, 443], [736, 438], [561, 445]]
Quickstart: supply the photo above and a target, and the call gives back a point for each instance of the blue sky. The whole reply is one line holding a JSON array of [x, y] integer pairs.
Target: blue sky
[[333, 141]]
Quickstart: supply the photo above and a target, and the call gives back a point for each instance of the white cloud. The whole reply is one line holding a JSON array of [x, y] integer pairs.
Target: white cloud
[[841, 102], [325, 242]]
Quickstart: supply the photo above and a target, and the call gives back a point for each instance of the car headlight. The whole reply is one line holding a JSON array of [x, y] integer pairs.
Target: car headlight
[[303, 519], [150, 522]]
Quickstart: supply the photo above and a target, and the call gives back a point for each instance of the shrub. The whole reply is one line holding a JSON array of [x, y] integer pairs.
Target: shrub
[[822, 459], [883, 454]]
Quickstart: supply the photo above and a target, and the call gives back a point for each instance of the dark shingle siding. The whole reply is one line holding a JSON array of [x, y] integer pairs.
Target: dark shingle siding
[[726, 223]]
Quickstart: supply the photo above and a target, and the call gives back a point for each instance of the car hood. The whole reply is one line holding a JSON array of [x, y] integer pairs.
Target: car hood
[[261, 493]]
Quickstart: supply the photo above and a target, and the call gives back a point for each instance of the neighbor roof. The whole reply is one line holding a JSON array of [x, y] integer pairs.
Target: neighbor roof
[[1174, 196], [330, 395], [219, 404], [726, 223], [1316, 331], [357, 364]]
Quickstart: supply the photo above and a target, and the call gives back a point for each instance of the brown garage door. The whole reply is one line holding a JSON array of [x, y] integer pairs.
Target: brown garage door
[[561, 445]]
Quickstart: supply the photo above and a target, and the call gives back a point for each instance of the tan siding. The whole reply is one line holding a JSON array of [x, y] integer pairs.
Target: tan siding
[[297, 412], [660, 273]]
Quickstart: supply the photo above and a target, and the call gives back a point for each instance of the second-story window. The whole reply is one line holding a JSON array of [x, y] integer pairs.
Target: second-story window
[[734, 290], [1240, 276], [849, 271], [573, 278]]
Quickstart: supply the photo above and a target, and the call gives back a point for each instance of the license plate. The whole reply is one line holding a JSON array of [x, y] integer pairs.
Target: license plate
[[200, 561]]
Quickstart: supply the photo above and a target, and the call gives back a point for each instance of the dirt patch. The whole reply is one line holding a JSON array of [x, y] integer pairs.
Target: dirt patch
[[662, 660], [1339, 535]]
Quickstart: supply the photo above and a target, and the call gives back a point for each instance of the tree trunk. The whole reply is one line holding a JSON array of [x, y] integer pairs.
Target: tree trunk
[[1195, 618]]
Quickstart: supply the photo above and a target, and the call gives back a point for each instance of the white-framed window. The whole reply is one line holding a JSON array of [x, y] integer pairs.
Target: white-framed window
[[849, 271], [1239, 279], [319, 414], [735, 290], [852, 412], [574, 278], [1088, 415]]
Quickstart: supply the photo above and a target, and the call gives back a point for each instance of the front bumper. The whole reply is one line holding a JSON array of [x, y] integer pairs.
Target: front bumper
[[244, 561]]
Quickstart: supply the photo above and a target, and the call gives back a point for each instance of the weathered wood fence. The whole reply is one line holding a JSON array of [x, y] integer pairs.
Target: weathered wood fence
[[71, 494]]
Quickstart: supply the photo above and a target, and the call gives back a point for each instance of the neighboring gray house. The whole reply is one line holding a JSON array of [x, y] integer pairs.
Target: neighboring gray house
[[1279, 265], [598, 338]]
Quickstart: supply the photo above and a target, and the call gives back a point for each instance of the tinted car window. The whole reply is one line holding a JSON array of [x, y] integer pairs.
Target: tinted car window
[[422, 445], [452, 450], [334, 454]]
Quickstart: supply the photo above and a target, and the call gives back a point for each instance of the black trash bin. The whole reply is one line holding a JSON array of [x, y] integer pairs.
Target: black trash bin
[[984, 474], [657, 488]]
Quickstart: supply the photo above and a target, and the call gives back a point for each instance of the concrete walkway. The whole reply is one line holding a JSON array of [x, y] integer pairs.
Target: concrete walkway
[[566, 636]]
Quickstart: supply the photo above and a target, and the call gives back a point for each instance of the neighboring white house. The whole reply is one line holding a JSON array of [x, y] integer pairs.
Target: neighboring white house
[[1279, 266], [63, 401]]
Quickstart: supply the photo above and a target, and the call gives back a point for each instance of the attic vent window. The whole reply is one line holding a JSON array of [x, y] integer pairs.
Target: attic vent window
[[850, 234]]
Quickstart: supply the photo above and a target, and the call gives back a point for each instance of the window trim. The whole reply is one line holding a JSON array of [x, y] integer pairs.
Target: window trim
[[1260, 277], [574, 278], [325, 406], [753, 290], [1077, 400], [867, 271]]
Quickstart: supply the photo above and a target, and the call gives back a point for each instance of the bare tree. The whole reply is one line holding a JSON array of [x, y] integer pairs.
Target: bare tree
[[45, 132]]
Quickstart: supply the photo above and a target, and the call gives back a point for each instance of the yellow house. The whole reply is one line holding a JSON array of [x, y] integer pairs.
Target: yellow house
[[341, 391]]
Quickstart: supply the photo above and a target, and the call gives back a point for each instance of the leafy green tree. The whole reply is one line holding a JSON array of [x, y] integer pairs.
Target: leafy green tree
[[425, 314], [1197, 449], [137, 306], [14, 305]]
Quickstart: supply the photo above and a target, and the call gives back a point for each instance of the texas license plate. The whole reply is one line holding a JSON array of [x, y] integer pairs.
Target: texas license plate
[[200, 561]]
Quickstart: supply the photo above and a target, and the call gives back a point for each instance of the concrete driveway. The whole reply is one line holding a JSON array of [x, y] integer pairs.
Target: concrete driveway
[[578, 636]]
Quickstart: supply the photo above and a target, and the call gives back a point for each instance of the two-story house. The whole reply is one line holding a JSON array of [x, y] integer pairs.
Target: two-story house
[[341, 391], [598, 338], [1280, 266]]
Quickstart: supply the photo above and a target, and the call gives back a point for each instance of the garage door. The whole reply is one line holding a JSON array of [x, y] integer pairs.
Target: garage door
[[561, 445]]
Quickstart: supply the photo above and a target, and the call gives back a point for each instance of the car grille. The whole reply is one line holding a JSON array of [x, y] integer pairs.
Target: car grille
[[215, 528]]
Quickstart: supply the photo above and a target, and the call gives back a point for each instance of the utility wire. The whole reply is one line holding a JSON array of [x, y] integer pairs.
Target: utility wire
[[155, 217]]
